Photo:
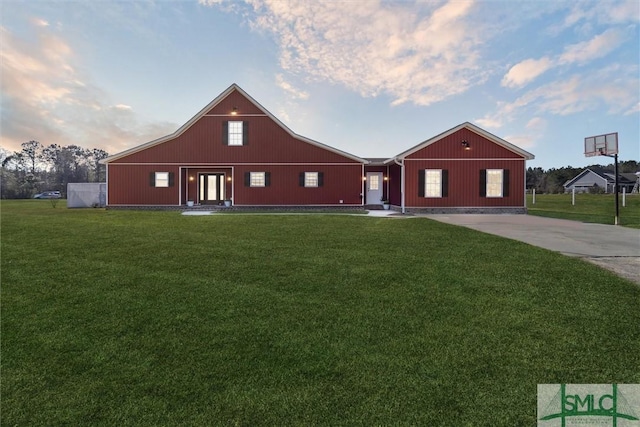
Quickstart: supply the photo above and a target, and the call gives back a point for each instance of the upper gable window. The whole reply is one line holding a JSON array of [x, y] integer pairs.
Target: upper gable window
[[234, 133]]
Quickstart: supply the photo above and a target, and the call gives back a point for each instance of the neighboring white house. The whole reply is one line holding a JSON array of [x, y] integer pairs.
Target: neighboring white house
[[588, 179]]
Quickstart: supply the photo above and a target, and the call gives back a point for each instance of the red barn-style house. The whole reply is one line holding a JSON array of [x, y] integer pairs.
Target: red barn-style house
[[235, 151]]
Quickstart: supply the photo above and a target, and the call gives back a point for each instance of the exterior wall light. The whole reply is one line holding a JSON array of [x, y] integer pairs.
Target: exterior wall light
[[229, 178], [191, 178], [234, 111], [466, 145]]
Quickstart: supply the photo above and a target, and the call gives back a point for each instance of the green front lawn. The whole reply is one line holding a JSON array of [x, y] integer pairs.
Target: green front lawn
[[153, 318], [600, 208]]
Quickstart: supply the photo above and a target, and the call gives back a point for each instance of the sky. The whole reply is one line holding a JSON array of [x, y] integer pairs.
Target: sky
[[369, 77]]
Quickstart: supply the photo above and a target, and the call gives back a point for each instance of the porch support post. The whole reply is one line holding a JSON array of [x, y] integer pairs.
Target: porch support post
[[402, 181]]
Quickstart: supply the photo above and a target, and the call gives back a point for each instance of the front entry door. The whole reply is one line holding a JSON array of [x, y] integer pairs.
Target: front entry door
[[374, 188], [211, 188]]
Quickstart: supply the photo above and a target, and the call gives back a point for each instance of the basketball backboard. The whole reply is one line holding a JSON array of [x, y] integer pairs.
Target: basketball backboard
[[601, 145]]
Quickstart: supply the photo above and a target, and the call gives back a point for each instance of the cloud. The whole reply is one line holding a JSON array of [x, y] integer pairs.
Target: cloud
[[614, 89], [290, 89], [420, 53], [526, 71], [597, 47], [581, 53], [537, 124], [45, 98], [39, 22], [604, 12]]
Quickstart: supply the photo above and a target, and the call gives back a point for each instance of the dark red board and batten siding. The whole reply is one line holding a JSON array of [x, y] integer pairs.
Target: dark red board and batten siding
[[269, 148], [199, 148], [463, 171]]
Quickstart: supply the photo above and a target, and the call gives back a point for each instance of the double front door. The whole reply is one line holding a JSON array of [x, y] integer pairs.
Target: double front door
[[211, 188]]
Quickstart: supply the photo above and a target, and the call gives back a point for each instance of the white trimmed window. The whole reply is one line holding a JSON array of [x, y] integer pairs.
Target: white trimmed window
[[161, 179], [235, 133], [433, 183], [311, 179], [494, 182], [257, 179], [374, 182]]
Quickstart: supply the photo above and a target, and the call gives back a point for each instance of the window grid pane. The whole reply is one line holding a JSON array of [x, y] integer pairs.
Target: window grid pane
[[374, 182], [235, 133], [311, 179], [494, 182], [162, 179], [257, 179], [433, 183]]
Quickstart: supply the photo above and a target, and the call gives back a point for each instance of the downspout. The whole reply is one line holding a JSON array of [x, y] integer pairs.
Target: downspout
[[401, 164], [362, 186]]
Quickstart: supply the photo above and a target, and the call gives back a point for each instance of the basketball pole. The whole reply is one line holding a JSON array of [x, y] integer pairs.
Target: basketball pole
[[615, 156], [616, 220]]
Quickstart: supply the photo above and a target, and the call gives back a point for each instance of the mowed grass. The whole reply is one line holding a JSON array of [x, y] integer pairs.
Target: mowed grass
[[599, 208], [153, 318]]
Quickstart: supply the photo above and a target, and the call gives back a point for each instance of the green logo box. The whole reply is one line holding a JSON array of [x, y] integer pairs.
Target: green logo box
[[563, 405]]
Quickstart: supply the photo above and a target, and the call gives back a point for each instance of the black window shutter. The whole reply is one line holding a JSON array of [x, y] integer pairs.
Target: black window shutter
[[267, 179], [225, 133], [152, 179], [320, 179], [505, 183], [245, 133], [247, 179], [172, 179], [301, 179], [483, 183], [445, 183], [421, 176]]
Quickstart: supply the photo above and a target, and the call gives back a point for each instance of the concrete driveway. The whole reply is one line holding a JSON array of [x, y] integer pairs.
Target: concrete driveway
[[613, 247]]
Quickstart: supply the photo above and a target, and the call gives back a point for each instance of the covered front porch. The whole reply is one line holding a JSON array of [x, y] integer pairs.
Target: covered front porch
[[206, 186]]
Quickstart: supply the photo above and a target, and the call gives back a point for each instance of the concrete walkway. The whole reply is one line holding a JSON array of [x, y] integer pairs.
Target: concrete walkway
[[613, 247]]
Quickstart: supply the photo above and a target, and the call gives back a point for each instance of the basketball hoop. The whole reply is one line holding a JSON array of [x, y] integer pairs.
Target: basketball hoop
[[601, 145], [605, 145]]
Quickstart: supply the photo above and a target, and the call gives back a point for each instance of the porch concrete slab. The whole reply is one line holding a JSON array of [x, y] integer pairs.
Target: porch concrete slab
[[613, 247], [196, 213], [381, 213]]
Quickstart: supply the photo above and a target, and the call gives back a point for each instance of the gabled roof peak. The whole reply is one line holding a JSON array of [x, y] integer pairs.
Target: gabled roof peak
[[473, 128], [233, 87]]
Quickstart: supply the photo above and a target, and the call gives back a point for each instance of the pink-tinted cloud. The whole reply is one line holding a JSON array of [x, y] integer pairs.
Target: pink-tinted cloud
[[45, 98], [418, 53]]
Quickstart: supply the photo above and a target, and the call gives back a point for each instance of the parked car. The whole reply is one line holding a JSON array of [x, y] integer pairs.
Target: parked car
[[48, 195]]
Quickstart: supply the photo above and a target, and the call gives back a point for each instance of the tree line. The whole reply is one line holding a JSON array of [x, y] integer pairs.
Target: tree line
[[552, 180], [37, 168]]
